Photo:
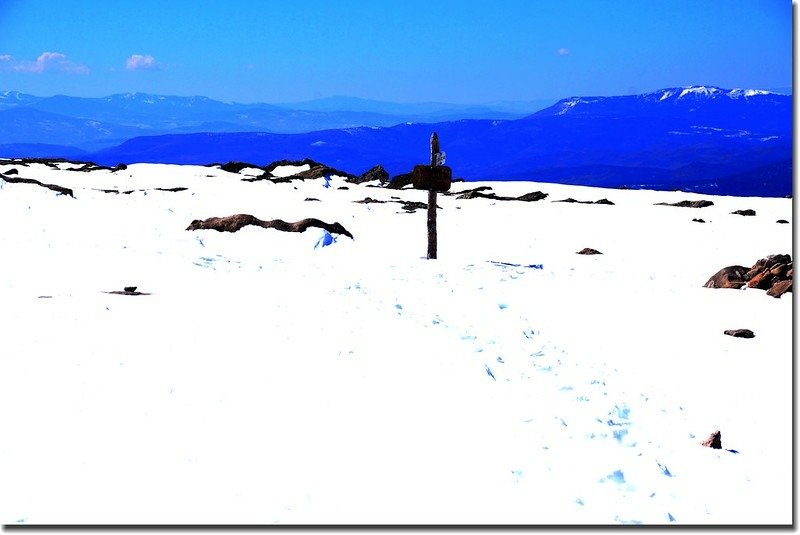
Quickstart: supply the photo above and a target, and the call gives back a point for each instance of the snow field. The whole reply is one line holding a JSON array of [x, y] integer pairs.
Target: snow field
[[267, 381]]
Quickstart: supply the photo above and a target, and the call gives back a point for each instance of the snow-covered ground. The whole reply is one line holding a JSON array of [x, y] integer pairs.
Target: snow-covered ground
[[266, 380]]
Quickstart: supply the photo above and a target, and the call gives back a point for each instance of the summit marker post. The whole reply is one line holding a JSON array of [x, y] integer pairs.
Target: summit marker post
[[434, 178]]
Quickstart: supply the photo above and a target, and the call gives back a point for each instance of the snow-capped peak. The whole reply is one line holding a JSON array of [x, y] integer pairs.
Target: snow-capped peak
[[699, 90], [736, 93], [702, 91]]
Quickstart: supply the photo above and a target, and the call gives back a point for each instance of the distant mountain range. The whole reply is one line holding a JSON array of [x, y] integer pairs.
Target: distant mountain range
[[697, 138], [94, 123]]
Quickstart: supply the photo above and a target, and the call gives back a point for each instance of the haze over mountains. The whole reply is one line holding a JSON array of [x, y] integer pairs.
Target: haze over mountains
[[89, 124], [700, 138]]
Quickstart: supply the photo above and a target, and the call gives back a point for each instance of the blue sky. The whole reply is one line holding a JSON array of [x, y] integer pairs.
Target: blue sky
[[457, 51]]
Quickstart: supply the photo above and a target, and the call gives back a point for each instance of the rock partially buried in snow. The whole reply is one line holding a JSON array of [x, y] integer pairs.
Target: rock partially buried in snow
[[235, 222], [588, 250], [128, 290], [744, 212], [767, 273], [780, 288], [740, 333], [571, 200], [687, 204], [782, 221], [376, 173], [727, 277], [772, 273], [713, 441]]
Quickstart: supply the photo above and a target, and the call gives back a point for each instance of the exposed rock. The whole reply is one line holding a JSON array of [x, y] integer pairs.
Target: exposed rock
[[376, 173], [466, 191], [727, 277], [571, 200], [235, 167], [762, 280], [744, 212], [782, 221], [128, 290], [527, 197], [311, 199], [773, 273], [698, 220], [17, 180], [713, 441], [400, 181], [766, 265], [369, 200], [413, 206], [172, 189], [408, 206], [588, 250], [687, 204], [478, 192], [91, 166], [780, 287], [740, 333], [343, 187], [235, 222], [11, 171]]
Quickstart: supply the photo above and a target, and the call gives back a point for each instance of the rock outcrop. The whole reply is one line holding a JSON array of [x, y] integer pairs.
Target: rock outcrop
[[773, 273], [740, 333], [687, 204], [571, 200], [714, 440], [588, 250], [235, 222], [53, 187], [728, 277], [400, 181], [376, 173]]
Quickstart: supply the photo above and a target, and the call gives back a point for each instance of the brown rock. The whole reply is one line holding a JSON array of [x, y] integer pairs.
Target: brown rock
[[767, 264], [728, 277], [53, 187], [714, 440], [740, 333], [762, 280], [235, 222], [588, 250], [779, 288], [779, 270]]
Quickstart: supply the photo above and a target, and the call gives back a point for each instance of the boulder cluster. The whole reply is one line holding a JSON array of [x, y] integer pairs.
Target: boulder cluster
[[773, 274]]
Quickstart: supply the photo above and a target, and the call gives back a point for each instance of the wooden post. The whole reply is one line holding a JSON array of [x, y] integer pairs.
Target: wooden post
[[432, 203]]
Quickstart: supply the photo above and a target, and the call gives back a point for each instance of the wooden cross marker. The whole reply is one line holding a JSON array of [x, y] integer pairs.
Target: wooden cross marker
[[434, 178]]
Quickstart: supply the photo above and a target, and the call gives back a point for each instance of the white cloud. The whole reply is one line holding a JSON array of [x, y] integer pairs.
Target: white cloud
[[6, 57], [138, 62], [562, 51], [51, 61]]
